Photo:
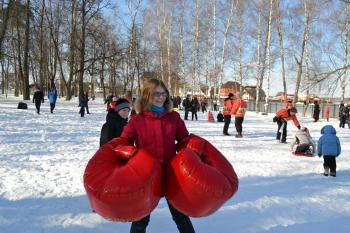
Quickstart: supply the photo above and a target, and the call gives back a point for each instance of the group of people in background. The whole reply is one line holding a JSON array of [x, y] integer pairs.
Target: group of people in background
[[328, 145], [118, 112], [38, 99], [234, 105]]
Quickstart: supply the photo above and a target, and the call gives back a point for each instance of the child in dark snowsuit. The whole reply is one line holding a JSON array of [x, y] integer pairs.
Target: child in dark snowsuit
[[328, 146], [115, 121]]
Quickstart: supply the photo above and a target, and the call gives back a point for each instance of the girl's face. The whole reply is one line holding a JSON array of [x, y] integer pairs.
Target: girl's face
[[159, 96], [124, 113]]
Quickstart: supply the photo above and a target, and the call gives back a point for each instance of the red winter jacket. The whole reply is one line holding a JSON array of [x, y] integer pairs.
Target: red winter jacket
[[239, 108], [228, 104], [283, 113], [156, 133]]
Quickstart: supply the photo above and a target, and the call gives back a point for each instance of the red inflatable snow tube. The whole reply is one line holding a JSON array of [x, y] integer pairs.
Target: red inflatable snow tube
[[123, 183], [199, 179]]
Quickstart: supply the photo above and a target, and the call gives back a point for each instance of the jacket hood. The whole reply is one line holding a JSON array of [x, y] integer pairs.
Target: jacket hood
[[328, 129]]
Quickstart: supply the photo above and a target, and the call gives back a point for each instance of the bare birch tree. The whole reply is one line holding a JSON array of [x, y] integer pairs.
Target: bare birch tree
[[281, 47], [268, 56], [300, 60], [345, 34]]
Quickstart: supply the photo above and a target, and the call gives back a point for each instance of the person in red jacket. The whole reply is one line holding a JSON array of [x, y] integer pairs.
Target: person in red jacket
[[239, 109], [228, 104], [282, 117], [328, 111], [156, 127]]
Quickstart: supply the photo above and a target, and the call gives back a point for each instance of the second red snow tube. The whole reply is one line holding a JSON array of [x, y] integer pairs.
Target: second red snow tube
[[199, 180]]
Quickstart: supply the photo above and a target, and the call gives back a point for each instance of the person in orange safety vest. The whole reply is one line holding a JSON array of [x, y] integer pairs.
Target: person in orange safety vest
[[282, 117], [228, 104], [239, 109]]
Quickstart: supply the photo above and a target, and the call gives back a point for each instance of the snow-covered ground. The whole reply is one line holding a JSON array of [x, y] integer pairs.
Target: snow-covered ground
[[42, 159]]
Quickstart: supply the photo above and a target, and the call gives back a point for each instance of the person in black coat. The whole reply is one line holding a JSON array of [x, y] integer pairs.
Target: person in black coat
[[115, 121], [38, 98], [186, 103], [194, 107], [87, 102], [317, 110], [82, 104]]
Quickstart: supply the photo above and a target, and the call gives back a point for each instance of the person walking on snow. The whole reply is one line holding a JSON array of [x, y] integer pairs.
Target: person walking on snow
[[186, 103], [87, 102], [228, 104], [52, 96], [239, 109], [329, 147], [282, 117], [194, 107], [82, 104], [38, 98]]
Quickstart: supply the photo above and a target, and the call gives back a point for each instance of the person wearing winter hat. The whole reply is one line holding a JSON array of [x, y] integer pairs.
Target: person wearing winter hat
[[115, 121], [282, 117], [228, 105], [111, 105]]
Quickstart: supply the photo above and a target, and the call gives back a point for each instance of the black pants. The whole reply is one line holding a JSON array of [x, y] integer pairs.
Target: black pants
[[186, 114], [281, 124], [52, 107], [37, 106], [194, 114], [87, 109], [302, 148], [182, 221], [238, 124], [227, 120], [82, 111], [215, 107], [342, 121], [330, 162]]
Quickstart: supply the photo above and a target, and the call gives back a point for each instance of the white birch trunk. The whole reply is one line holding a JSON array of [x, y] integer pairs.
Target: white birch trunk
[[240, 48], [168, 54], [207, 64], [281, 48], [182, 56], [345, 46], [160, 39], [227, 29], [216, 87], [258, 70], [268, 58], [300, 62]]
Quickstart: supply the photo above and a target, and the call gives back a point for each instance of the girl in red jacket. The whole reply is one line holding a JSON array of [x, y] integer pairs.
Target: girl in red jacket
[[156, 128]]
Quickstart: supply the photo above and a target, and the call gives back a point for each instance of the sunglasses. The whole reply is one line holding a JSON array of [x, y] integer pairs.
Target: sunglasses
[[159, 94]]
